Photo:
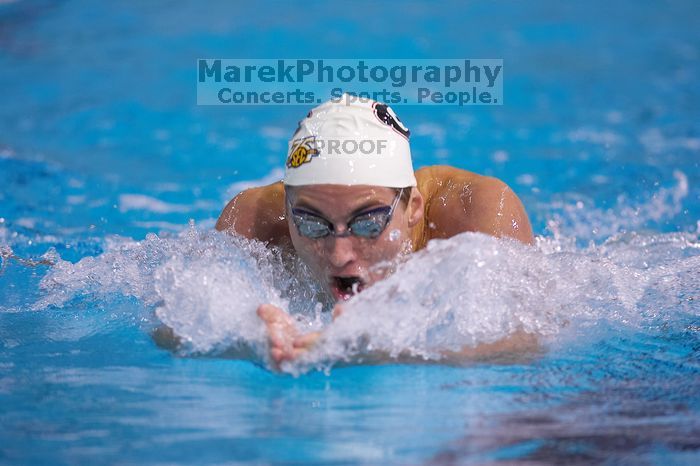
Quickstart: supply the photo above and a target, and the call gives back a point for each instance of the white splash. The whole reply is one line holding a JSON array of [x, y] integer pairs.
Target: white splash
[[460, 292], [205, 285], [474, 289], [570, 219]]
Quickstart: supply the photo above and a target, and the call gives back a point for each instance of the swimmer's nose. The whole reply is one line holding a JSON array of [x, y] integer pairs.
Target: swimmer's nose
[[342, 251]]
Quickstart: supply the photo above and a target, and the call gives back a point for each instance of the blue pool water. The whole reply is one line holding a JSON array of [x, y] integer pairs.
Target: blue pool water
[[110, 171]]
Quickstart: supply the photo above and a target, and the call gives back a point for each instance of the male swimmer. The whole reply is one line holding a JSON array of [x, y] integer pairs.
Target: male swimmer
[[350, 200]]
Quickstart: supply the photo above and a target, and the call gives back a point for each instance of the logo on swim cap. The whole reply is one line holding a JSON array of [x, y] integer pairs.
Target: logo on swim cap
[[387, 116], [302, 151]]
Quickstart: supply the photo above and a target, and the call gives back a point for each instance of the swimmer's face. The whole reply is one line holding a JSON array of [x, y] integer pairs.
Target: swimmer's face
[[344, 264]]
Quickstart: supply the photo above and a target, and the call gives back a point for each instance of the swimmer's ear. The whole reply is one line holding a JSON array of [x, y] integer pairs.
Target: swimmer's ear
[[416, 206]]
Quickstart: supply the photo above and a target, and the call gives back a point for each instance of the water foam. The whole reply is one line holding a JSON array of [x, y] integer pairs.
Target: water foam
[[459, 292], [203, 284], [583, 220], [474, 289]]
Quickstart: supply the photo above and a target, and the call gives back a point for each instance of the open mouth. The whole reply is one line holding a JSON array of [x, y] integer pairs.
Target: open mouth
[[344, 287]]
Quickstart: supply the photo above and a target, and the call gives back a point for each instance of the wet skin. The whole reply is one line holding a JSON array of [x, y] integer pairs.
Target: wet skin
[[446, 202], [339, 261]]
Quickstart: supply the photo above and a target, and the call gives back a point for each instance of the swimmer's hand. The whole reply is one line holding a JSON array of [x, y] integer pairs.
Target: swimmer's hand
[[286, 342], [165, 338]]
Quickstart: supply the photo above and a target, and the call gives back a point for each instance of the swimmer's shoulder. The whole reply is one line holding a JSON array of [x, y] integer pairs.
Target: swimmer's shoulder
[[432, 178], [257, 213], [459, 200], [435, 181]]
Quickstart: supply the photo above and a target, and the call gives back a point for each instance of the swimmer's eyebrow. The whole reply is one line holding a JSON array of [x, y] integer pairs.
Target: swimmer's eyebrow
[[371, 205], [302, 204], [306, 206]]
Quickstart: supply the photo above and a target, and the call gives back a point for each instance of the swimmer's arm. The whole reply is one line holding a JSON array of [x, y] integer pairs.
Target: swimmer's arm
[[257, 213], [485, 204], [287, 344], [513, 347], [166, 338]]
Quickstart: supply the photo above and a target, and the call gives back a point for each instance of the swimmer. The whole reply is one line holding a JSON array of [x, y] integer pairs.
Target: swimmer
[[350, 199]]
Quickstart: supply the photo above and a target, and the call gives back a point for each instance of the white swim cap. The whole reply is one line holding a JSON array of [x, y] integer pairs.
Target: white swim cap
[[350, 141]]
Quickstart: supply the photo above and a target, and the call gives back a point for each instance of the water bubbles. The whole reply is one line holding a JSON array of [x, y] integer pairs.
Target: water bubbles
[[205, 285], [474, 289], [459, 292], [394, 235], [581, 219]]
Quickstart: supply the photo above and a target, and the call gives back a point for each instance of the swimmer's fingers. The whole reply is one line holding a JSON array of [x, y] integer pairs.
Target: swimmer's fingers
[[287, 349], [270, 313], [305, 342], [281, 332], [273, 315], [280, 356], [279, 337], [281, 348]]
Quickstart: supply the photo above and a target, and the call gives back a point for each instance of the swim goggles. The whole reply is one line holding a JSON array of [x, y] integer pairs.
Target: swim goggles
[[368, 224]]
